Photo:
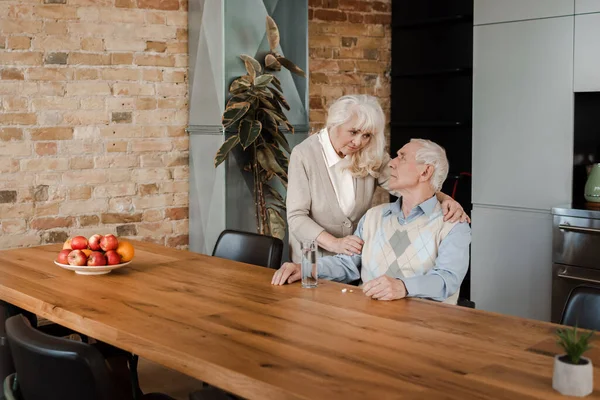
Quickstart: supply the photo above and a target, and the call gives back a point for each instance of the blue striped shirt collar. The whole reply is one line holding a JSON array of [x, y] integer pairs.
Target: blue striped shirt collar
[[426, 207]]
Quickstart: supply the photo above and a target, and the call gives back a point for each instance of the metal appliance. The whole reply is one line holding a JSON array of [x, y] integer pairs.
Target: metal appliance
[[575, 253]]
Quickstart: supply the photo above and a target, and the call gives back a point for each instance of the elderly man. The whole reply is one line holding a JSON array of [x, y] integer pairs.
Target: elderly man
[[409, 251]]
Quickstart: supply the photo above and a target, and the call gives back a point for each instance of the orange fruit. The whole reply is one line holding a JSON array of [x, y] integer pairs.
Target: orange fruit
[[125, 250], [87, 252]]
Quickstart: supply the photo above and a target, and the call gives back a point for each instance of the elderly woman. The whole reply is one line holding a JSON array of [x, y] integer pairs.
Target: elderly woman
[[333, 176]]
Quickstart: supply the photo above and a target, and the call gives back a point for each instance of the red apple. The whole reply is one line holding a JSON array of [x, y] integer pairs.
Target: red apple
[[67, 245], [109, 242], [77, 257], [63, 256], [94, 242], [96, 259], [113, 258], [79, 243]]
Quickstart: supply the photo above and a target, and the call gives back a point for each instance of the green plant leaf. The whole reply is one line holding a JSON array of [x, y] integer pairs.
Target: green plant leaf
[[263, 80], [280, 98], [255, 64], [280, 137], [248, 131], [251, 70], [277, 83], [283, 181], [291, 66], [271, 63], [238, 98], [240, 84], [267, 104], [225, 148], [281, 120], [573, 344], [276, 223], [234, 112], [276, 195], [272, 33], [269, 123], [267, 160], [263, 92], [277, 116], [280, 155]]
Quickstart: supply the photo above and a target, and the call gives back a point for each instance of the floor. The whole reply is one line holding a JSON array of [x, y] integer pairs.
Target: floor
[[156, 378]]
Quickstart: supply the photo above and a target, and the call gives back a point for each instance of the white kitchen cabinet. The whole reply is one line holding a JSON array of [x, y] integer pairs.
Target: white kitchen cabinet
[[492, 11], [523, 113], [587, 53], [511, 262], [587, 6]]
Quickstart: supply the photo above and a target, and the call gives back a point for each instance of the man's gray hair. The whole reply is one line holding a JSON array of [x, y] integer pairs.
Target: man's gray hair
[[433, 154]]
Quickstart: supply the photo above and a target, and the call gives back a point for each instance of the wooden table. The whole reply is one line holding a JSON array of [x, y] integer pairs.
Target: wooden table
[[222, 322]]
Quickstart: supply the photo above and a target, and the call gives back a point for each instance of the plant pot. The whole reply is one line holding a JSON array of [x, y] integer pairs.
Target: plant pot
[[592, 185], [573, 380]]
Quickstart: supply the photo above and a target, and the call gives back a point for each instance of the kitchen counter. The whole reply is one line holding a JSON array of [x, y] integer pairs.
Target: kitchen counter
[[579, 211]]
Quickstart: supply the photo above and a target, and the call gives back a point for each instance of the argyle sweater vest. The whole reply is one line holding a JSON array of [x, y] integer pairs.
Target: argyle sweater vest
[[402, 250]]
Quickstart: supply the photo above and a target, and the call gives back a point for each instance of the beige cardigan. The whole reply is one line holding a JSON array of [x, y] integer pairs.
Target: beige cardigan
[[312, 206]]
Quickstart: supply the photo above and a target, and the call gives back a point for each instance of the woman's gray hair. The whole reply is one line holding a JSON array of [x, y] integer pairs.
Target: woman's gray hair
[[433, 154], [369, 118]]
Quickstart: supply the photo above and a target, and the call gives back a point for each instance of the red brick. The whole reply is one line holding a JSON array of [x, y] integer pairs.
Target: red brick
[[121, 58], [380, 19], [89, 220], [46, 148], [177, 213], [380, 7], [159, 4], [176, 241], [51, 223], [330, 3], [316, 102], [355, 5], [355, 18], [125, 3], [11, 74], [7, 134], [116, 218], [319, 77], [158, 47], [330, 15], [51, 133]]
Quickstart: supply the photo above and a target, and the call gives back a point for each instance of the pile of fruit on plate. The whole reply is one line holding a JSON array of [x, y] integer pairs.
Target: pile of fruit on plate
[[97, 255]]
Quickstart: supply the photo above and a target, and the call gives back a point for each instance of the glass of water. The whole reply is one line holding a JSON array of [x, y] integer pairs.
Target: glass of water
[[309, 264]]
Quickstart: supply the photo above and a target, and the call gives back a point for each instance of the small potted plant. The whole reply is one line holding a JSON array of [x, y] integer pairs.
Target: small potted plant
[[573, 373]]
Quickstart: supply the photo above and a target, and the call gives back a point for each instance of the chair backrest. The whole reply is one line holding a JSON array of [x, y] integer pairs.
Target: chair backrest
[[51, 368], [582, 308], [250, 248]]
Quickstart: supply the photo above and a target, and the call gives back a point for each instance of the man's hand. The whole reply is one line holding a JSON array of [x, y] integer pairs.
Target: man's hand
[[288, 273], [385, 288]]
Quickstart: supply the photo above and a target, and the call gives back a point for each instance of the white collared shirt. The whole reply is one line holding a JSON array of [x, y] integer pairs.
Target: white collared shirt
[[342, 180]]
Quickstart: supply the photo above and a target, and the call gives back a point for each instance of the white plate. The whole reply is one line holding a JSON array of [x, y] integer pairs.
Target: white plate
[[88, 270]]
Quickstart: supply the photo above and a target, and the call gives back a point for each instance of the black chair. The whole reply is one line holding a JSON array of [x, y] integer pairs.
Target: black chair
[[465, 303], [250, 248], [582, 308], [52, 368]]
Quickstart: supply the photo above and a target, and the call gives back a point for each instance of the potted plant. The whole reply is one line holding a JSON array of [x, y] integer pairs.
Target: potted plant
[[573, 373], [255, 121]]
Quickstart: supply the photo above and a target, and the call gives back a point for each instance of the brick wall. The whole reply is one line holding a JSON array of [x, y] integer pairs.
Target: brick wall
[[93, 105], [350, 52]]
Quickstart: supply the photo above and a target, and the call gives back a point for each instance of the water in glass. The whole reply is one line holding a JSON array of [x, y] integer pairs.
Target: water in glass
[[309, 264]]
